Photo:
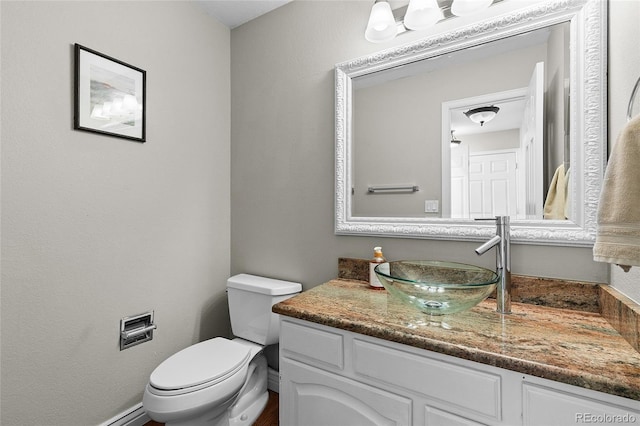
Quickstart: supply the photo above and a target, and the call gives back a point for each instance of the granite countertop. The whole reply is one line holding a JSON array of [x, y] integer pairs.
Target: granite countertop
[[568, 346]]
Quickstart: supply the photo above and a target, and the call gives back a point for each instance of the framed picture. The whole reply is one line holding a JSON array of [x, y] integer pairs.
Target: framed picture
[[110, 96]]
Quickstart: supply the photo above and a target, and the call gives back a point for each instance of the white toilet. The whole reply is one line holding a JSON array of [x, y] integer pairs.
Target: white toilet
[[219, 381]]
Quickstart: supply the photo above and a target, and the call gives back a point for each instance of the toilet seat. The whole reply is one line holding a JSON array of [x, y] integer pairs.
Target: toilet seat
[[199, 366]]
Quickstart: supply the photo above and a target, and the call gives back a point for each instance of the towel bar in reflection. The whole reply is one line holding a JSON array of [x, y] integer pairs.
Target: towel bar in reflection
[[397, 188]]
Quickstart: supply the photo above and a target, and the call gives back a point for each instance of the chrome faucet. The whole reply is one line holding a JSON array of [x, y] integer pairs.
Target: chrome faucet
[[502, 240]]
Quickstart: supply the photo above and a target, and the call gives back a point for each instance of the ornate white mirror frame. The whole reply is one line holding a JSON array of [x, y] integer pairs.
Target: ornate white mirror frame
[[588, 124]]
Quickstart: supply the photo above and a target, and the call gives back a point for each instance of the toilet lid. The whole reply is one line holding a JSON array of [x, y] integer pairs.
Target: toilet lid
[[210, 361]]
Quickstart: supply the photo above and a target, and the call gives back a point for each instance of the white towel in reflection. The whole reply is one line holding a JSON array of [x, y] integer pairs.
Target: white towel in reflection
[[555, 204], [618, 233]]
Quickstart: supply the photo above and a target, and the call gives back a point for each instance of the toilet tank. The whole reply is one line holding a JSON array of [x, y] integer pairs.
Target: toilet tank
[[250, 300]]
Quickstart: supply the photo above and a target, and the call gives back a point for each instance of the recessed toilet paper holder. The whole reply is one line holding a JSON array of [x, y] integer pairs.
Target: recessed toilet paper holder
[[136, 329]]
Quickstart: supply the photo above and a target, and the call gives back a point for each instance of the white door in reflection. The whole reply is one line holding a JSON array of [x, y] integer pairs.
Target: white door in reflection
[[493, 185], [460, 181], [531, 136]]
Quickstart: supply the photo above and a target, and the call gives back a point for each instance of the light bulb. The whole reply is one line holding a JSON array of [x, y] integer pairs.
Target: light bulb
[[469, 7], [422, 14], [382, 25]]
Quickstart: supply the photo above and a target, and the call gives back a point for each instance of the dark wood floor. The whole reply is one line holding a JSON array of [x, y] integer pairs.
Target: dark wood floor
[[269, 416]]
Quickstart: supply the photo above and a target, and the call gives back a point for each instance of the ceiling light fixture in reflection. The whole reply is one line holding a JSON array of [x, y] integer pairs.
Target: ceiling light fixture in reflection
[[483, 114]]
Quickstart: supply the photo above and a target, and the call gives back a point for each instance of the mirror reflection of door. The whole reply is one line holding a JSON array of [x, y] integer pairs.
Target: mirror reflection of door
[[460, 181], [531, 137], [493, 184], [497, 169]]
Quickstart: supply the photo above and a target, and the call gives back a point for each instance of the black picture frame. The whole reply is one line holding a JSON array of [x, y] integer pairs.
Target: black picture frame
[[110, 96]]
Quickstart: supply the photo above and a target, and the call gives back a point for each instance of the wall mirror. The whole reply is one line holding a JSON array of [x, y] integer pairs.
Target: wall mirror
[[413, 161]]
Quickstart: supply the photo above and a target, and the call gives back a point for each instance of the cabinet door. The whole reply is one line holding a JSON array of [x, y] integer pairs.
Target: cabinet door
[[468, 392], [436, 417], [312, 397], [543, 406]]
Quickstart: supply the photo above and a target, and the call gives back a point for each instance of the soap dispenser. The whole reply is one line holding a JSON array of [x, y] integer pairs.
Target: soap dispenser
[[378, 258]]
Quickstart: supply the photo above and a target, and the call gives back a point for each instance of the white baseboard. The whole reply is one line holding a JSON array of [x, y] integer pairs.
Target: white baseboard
[[134, 416], [273, 380]]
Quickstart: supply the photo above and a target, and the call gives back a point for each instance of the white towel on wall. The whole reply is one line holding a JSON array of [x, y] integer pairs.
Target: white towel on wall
[[618, 232]]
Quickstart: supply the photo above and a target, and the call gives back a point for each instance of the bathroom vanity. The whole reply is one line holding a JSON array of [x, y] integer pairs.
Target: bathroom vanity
[[352, 355]]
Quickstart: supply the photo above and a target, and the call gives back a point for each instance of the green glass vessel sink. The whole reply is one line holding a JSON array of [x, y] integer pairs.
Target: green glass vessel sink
[[437, 288]]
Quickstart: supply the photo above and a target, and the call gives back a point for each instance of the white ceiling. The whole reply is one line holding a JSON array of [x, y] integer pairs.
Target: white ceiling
[[234, 13]]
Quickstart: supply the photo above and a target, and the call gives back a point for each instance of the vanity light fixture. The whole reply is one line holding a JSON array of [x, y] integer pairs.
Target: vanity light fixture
[[482, 114], [384, 23]]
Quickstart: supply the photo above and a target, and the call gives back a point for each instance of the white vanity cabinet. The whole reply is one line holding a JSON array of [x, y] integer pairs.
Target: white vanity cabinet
[[332, 377], [546, 403]]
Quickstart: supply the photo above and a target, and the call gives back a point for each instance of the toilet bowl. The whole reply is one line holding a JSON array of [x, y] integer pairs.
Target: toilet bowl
[[222, 382]]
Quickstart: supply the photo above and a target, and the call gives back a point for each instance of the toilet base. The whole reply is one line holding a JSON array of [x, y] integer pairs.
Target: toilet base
[[249, 416], [219, 416], [243, 408], [246, 418]]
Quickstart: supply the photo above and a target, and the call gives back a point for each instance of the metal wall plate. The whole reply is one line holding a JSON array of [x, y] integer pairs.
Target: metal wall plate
[[136, 329]]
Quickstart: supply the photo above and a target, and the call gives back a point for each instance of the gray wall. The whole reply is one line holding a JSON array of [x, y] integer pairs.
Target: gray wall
[[282, 154], [96, 228]]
